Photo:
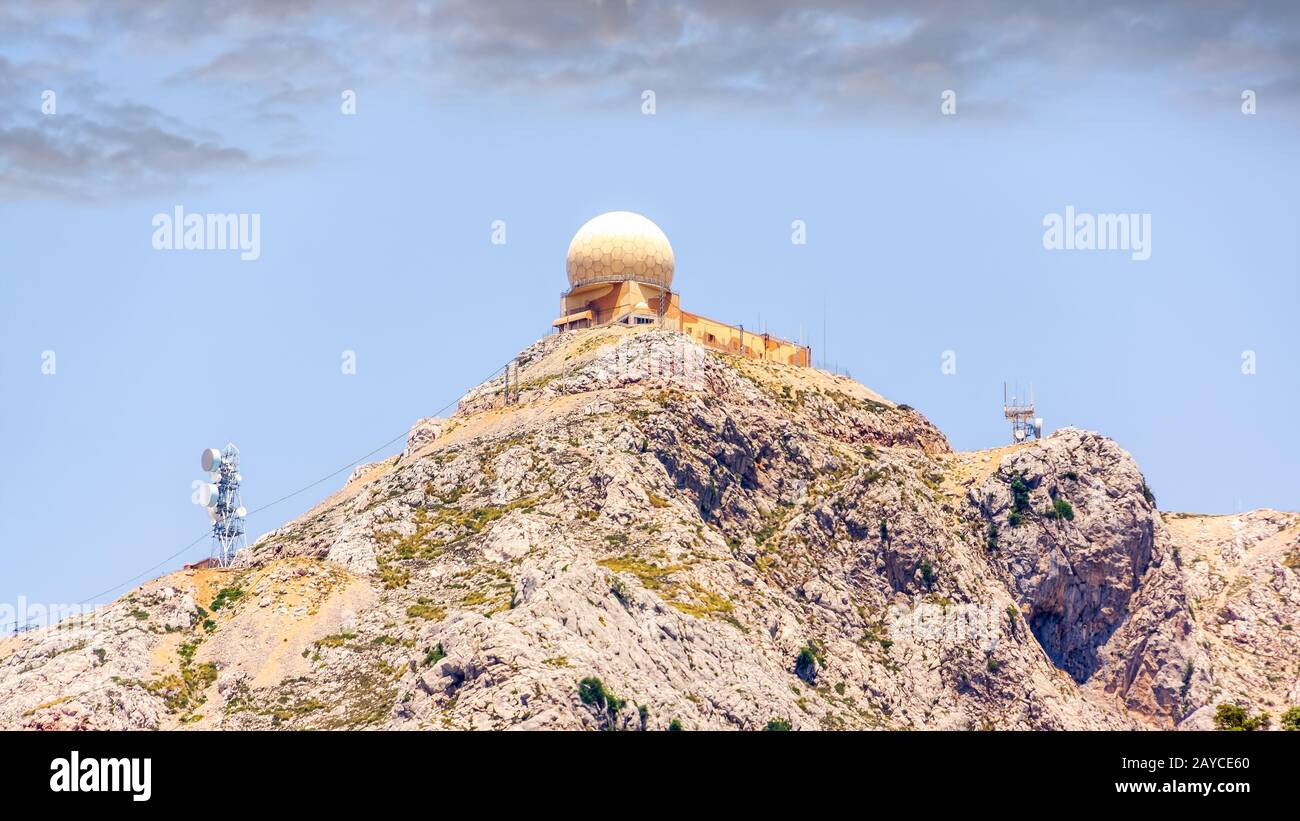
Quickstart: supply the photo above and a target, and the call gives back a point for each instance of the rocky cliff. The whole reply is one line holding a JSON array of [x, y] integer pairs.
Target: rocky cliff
[[721, 543]]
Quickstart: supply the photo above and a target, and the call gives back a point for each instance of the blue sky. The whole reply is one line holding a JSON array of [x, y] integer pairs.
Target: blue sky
[[924, 231]]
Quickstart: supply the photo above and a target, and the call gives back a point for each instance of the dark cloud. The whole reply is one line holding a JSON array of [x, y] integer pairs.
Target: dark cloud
[[884, 61], [92, 147], [841, 57], [73, 156]]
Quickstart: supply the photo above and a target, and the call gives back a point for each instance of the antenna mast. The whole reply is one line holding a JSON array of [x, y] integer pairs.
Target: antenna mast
[[220, 495], [1024, 425]]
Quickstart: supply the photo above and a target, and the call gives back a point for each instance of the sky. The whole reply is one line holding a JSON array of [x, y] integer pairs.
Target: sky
[[925, 230]]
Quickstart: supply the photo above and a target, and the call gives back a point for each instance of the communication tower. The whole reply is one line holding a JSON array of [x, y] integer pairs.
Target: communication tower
[[220, 495], [1024, 425]]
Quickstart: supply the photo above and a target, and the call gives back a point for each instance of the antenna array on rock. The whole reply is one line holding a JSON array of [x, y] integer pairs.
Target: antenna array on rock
[[1024, 425], [220, 495]]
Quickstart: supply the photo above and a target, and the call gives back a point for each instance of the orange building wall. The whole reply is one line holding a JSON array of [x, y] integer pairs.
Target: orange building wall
[[724, 337], [610, 301]]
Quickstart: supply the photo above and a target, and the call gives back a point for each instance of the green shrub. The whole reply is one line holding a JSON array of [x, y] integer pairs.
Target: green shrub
[[675, 726], [992, 538], [1019, 494], [435, 655], [1291, 719], [927, 573], [393, 577], [1234, 717], [806, 663], [225, 596], [1014, 519], [424, 609], [337, 640], [1188, 672], [592, 692], [778, 725], [1063, 509]]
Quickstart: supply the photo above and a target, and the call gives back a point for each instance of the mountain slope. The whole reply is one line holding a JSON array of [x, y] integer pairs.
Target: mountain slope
[[722, 543]]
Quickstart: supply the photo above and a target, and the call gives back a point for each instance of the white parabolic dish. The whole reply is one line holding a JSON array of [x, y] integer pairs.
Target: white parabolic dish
[[209, 494]]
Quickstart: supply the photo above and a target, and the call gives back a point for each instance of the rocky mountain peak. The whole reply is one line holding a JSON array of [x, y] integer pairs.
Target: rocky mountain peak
[[636, 532]]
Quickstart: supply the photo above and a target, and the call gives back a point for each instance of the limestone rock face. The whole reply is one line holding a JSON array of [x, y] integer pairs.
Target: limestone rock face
[[1241, 578], [63, 678], [1075, 535], [721, 542], [422, 433]]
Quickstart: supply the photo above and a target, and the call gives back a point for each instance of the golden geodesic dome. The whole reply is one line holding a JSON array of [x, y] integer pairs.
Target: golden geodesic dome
[[620, 245]]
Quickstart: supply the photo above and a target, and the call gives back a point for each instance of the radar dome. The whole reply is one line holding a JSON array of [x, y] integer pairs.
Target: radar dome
[[620, 245]]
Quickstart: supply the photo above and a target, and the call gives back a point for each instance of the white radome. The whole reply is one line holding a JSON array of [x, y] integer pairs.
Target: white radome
[[620, 245]]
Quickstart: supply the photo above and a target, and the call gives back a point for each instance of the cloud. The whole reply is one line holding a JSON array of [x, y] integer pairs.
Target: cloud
[[101, 148], [883, 62], [840, 57], [87, 159]]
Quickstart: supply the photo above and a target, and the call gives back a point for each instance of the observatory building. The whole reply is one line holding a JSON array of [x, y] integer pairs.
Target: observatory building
[[620, 269]]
